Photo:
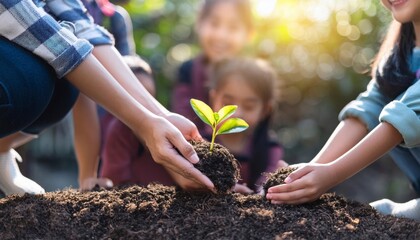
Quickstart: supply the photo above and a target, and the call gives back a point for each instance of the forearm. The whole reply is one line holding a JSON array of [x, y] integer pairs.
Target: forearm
[[87, 137], [92, 79], [347, 134], [114, 63], [381, 140]]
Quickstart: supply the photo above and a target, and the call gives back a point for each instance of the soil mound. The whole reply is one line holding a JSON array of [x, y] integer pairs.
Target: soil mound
[[160, 212]]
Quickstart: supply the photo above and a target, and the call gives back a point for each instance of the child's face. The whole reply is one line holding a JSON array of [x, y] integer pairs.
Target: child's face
[[404, 10], [251, 107], [222, 33]]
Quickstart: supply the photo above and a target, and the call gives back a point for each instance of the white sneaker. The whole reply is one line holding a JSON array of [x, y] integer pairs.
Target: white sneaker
[[410, 209], [11, 179]]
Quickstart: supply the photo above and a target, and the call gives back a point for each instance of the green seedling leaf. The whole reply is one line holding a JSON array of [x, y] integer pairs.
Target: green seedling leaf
[[214, 119], [233, 125], [226, 111], [203, 111]]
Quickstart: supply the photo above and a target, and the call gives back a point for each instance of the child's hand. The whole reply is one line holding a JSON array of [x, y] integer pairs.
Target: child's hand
[[89, 183], [242, 188], [306, 184]]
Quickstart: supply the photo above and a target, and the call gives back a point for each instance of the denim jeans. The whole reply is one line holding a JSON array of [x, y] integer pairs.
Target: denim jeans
[[32, 98], [408, 160]]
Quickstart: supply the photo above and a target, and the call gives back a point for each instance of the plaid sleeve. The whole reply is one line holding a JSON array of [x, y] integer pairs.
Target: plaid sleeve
[[75, 12], [32, 28]]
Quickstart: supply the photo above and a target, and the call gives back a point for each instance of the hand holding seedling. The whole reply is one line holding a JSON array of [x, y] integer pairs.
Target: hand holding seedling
[[214, 119]]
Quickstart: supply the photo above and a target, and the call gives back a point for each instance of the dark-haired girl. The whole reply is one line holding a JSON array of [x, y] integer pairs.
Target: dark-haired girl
[[220, 36], [251, 85], [383, 119]]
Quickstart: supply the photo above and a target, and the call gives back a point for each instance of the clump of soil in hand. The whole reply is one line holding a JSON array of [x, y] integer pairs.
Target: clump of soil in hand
[[277, 177], [220, 166]]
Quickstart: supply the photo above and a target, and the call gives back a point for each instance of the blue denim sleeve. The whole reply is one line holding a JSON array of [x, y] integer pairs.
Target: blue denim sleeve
[[366, 107], [404, 114], [75, 12]]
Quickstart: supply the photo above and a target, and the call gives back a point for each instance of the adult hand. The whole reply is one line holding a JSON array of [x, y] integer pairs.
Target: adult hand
[[185, 126], [169, 148], [186, 183], [89, 183], [305, 184]]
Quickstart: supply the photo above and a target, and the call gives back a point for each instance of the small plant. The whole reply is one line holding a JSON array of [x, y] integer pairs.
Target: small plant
[[214, 119]]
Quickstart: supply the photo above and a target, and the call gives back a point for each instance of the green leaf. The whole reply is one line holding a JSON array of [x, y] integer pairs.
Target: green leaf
[[203, 111], [226, 112], [216, 117], [233, 125]]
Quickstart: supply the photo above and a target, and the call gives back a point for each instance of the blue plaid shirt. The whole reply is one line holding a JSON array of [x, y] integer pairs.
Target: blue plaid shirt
[[63, 45]]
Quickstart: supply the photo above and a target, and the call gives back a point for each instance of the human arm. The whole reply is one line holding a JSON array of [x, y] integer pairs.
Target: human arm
[[356, 119], [346, 135], [311, 180], [87, 140], [162, 139], [113, 62]]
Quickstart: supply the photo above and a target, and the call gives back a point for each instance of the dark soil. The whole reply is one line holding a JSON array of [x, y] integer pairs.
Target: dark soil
[[159, 212], [277, 177], [219, 166]]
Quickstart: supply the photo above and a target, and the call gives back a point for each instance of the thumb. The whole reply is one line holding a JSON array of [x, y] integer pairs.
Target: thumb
[[185, 148]]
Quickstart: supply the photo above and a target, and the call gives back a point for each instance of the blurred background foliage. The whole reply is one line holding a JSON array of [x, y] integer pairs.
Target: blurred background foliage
[[321, 50]]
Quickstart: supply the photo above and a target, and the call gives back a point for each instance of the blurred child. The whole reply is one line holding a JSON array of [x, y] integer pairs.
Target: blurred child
[[89, 127], [251, 85], [116, 20], [384, 118], [223, 29], [125, 160]]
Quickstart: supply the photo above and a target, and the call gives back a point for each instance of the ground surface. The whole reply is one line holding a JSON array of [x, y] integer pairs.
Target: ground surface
[[159, 212]]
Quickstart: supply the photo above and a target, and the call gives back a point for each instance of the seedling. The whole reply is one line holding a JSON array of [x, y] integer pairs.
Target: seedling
[[214, 119]]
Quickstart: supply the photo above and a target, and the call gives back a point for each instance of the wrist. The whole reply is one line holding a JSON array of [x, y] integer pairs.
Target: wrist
[[338, 173]]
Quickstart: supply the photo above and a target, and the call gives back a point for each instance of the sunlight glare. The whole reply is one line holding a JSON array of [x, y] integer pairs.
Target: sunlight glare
[[318, 12], [264, 8]]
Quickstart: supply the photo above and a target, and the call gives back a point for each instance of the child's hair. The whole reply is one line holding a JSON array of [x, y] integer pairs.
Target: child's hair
[[256, 72], [391, 67], [243, 7], [263, 80]]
